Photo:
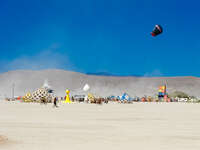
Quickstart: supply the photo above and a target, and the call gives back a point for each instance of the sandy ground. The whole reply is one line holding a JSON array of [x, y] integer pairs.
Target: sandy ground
[[141, 126]]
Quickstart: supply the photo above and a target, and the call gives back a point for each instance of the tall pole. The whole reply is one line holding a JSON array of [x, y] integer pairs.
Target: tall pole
[[13, 91]]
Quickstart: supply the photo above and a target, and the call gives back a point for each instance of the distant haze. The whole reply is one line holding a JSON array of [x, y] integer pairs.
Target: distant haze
[[60, 80]]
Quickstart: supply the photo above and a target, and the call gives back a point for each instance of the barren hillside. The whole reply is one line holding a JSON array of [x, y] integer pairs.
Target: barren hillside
[[60, 80]]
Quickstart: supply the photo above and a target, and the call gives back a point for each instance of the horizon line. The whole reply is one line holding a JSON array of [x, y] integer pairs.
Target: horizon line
[[105, 74]]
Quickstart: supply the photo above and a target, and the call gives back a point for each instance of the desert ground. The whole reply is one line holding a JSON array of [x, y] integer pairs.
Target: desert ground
[[143, 126]]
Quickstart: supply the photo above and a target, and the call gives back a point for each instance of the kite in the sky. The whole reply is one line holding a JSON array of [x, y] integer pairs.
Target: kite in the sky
[[157, 30]]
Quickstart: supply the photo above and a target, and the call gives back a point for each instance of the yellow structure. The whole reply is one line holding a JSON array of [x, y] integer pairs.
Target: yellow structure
[[67, 97], [91, 97], [27, 97]]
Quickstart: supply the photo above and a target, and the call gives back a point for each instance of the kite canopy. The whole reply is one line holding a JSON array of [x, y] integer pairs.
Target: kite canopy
[[157, 30]]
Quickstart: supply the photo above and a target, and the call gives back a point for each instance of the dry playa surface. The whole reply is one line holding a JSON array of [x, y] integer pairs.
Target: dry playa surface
[[3, 139], [152, 126]]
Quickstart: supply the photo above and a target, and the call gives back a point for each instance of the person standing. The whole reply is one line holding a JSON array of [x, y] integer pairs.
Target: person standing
[[55, 100]]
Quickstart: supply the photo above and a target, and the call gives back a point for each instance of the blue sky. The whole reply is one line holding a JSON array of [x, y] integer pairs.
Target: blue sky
[[101, 36]]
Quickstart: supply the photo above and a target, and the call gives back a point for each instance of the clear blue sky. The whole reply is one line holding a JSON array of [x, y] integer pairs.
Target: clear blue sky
[[101, 36]]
